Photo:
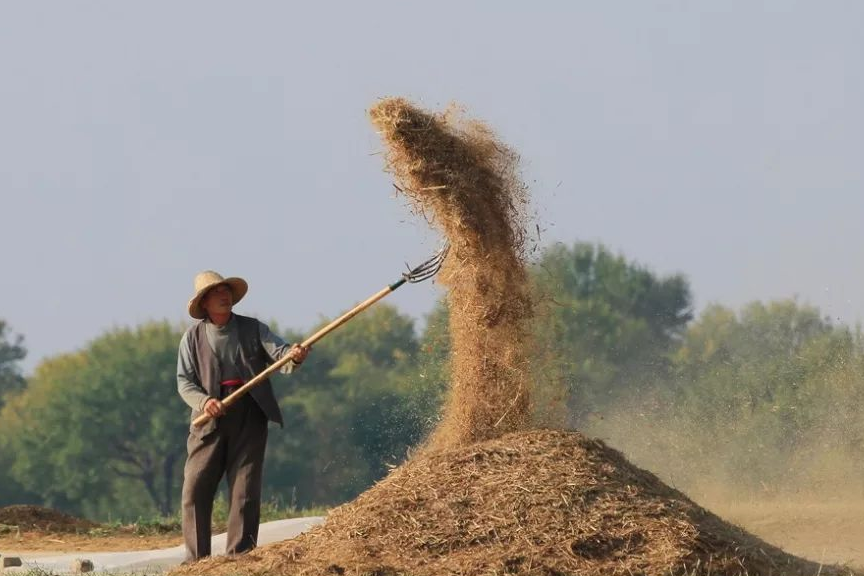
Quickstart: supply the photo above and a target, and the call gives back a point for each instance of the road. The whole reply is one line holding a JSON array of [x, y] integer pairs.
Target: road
[[152, 561]]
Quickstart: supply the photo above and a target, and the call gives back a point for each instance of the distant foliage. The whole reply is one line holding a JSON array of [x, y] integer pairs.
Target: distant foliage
[[762, 400], [12, 382], [103, 432], [103, 427], [606, 327], [353, 412], [12, 351]]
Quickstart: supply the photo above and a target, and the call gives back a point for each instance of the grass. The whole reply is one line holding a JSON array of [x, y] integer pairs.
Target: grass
[[8, 529]]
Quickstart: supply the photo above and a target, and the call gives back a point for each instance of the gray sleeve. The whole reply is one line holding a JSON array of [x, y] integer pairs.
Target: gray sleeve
[[275, 347], [187, 384]]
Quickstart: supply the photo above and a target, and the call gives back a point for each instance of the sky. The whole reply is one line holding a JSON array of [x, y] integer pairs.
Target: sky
[[142, 142]]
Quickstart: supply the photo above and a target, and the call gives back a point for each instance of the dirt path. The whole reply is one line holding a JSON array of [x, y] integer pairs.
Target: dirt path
[[63, 543], [830, 532]]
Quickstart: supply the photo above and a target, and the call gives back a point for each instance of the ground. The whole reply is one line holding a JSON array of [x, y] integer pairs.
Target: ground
[[37, 541], [822, 531], [830, 532]]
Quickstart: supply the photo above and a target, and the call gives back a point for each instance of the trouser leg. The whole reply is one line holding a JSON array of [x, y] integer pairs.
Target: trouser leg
[[245, 468], [205, 465]]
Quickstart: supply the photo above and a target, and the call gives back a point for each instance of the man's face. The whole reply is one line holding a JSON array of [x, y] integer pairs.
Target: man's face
[[218, 300]]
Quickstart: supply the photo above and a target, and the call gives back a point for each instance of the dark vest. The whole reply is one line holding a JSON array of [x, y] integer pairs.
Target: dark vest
[[253, 360]]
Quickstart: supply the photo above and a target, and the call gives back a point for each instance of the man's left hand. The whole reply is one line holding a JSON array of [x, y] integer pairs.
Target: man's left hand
[[298, 353]]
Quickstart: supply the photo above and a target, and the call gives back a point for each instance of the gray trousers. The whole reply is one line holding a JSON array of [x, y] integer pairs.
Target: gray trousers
[[236, 450]]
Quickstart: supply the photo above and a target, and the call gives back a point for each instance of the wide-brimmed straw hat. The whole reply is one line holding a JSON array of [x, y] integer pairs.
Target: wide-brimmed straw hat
[[208, 279]]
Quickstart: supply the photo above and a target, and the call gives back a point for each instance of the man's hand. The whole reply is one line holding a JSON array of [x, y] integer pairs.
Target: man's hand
[[214, 408], [298, 353]]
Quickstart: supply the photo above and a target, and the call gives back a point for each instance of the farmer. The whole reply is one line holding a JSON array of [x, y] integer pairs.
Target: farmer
[[217, 355]]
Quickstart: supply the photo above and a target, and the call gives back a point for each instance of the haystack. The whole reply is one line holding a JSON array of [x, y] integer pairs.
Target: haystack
[[28, 517], [530, 503]]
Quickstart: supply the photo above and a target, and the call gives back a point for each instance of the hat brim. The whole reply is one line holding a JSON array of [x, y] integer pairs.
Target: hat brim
[[238, 286]]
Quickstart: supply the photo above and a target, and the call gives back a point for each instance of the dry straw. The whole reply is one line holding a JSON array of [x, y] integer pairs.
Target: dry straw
[[465, 182], [529, 503], [27, 517]]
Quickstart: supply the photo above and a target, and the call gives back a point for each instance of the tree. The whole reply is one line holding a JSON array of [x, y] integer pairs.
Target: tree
[[94, 425], [11, 382], [605, 328], [11, 352], [766, 398], [352, 411], [740, 377]]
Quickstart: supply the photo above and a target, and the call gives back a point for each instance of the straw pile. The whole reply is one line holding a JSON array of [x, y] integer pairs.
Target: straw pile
[[465, 182], [26, 518], [529, 503]]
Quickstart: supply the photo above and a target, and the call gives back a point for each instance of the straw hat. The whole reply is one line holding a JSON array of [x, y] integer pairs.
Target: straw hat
[[208, 279]]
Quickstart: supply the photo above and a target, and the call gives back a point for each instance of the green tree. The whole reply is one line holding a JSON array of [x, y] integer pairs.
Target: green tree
[[96, 427], [605, 328], [354, 409], [433, 361], [12, 351], [740, 377], [759, 399], [12, 382]]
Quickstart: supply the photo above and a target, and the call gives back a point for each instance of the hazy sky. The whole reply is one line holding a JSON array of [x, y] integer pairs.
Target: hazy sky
[[141, 142]]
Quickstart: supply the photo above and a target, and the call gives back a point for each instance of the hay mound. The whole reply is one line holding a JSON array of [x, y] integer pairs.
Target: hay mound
[[28, 518], [465, 182], [531, 503]]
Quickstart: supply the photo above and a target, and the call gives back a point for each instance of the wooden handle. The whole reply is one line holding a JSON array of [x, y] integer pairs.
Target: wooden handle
[[242, 390]]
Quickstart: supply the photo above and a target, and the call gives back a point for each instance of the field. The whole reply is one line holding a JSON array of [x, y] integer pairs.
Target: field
[[822, 531]]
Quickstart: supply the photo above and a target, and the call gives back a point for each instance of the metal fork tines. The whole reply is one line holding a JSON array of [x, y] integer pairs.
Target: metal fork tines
[[428, 268]]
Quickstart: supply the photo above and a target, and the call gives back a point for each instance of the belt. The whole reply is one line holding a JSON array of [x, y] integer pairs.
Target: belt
[[237, 382]]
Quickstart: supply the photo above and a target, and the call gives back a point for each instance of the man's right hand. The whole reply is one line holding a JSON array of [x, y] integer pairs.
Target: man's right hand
[[214, 408]]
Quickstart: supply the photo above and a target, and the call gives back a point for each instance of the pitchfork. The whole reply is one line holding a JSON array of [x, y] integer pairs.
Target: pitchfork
[[422, 272]]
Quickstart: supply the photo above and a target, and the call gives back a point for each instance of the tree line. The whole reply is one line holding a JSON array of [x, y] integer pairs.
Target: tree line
[[765, 398]]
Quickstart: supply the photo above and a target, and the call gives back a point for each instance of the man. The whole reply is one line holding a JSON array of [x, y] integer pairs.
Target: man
[[217, 355]]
